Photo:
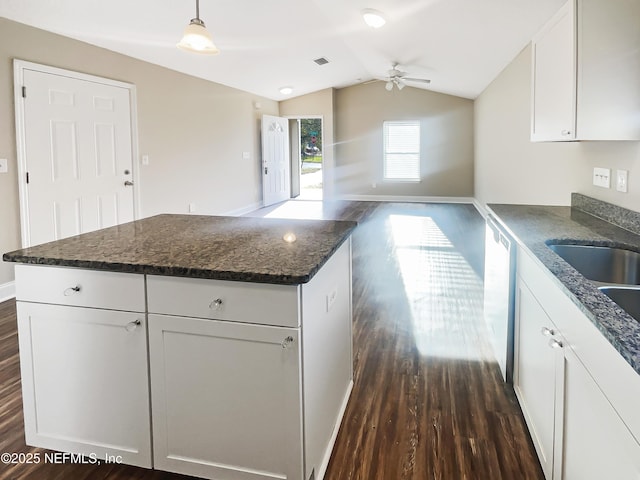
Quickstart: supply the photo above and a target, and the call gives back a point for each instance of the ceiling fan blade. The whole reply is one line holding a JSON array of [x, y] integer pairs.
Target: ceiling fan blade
[[420, 80]]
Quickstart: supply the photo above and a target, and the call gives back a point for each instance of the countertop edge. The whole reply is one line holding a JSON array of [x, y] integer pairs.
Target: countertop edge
[[177, 271]]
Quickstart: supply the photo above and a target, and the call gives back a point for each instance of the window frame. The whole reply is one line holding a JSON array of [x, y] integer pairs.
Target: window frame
[[385, 134]]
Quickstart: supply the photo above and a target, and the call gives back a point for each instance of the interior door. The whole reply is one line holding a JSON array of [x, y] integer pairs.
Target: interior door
[[276, 167], [78, 156]]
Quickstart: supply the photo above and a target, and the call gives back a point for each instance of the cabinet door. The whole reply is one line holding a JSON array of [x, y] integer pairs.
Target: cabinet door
[[226, 399], [554, 78], [597, 444], [84, 381], [537, 374]]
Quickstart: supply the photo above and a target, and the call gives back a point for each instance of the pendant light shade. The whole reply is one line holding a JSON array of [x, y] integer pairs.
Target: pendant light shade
[[196, 37]]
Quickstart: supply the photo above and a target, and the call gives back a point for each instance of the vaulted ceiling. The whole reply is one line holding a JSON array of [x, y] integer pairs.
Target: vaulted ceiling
[[461, 45]]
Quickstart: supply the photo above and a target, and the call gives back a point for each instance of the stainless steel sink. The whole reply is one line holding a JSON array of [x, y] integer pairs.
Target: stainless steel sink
[[627, 298], [602, 264]]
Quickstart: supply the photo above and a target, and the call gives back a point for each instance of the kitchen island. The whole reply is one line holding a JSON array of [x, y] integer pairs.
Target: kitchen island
[[218, 347]]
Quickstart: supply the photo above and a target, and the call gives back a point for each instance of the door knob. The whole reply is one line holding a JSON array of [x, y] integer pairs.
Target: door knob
[[127, 183]]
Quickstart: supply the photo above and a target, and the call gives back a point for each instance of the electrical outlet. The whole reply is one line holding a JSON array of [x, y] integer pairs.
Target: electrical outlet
[[192, 208], [622, 177], [4, 165], [602, 177]]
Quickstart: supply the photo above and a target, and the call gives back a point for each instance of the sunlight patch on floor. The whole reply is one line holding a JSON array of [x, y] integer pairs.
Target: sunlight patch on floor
[[300, 209], [444, 293]]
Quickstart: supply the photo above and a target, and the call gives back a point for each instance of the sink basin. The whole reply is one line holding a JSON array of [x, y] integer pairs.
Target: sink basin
[[627, 298], [602, 264]]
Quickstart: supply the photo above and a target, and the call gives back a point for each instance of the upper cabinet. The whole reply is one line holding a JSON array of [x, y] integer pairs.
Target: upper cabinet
[[586, 73]]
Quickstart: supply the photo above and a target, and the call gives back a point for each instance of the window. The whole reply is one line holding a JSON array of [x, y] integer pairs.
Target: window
[[402, 151]]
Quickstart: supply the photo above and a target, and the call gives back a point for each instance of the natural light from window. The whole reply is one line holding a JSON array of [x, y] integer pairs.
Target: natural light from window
[[402, 151], [443, 290]]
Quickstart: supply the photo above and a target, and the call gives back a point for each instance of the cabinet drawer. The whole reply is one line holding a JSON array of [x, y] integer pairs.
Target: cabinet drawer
[[258, 303], [80, 288]]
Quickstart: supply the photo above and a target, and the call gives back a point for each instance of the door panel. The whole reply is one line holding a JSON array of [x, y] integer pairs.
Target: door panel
[[84, 381], [226, 399], [78, 154], [276, 167]]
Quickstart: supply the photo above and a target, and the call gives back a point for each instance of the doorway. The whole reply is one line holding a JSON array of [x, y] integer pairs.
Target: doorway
[[310, 159]]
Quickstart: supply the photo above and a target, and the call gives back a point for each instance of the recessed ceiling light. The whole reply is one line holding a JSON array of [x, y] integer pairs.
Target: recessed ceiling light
[[373, 18], [286, 90]]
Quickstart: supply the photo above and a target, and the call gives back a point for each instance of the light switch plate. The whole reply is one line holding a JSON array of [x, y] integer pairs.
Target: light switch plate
[[622, 177], [246, 155], [4, 165], [602, 177]]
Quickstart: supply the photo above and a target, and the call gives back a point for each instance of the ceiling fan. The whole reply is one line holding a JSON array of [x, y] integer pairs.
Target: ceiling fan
[[398, 78]]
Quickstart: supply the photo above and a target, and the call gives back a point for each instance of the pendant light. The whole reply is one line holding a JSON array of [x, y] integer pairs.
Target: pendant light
[[197, 38]]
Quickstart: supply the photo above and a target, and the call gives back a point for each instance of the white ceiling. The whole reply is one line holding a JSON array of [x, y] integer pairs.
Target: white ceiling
[[461, 45]]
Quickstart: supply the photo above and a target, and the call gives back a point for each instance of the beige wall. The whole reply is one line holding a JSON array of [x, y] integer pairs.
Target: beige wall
[[318, 103], [511, 169], [194, 131], [447, 141]]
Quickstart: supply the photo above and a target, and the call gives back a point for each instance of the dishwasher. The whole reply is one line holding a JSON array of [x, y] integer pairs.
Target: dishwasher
[[499, 294]]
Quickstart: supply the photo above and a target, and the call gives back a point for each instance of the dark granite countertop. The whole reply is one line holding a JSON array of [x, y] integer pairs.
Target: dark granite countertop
[[536, 226], [226, 248]]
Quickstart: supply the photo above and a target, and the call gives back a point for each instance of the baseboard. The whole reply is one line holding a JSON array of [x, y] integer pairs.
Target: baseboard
[[400, 198], [241, 211], [7, 291]]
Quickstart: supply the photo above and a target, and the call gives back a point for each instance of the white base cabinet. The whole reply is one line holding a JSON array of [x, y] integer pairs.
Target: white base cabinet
[[85, 381], [578, 395], [250, 382], [226, 398], [596, 442], [538, 372]]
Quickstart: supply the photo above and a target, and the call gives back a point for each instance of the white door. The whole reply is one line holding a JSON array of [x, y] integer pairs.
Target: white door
[[77, 155], [276, 167]]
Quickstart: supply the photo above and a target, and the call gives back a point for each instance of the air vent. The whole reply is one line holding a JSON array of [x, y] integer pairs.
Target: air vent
[[321, 61]]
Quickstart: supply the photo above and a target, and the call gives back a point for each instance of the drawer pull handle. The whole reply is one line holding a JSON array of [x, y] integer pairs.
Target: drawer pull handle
[[216, 304], [72, 290], [547, 332], [131, 326], [287, 342]]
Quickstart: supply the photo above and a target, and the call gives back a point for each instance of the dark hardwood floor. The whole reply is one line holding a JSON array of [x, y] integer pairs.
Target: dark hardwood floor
[[428, 400]]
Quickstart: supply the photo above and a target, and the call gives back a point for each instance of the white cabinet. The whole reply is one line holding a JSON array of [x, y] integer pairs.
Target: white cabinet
[[538, 370], [597, 443], [575, 390], [249, 381], [226, 399], [554, 78], [85, 382], [586, 72]]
